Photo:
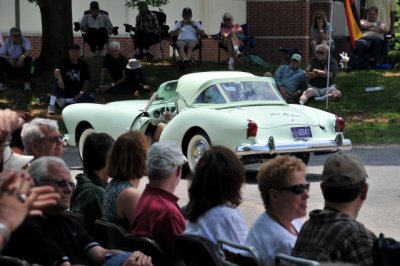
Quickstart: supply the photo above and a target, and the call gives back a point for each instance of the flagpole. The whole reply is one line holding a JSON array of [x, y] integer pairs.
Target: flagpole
[[329, 54]]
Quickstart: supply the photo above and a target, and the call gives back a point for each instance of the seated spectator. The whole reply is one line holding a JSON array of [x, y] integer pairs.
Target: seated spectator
[[126, 165], [320, 31], [291, 80], [214, 195], [15, 55], [157, 214], [55, 238], [284, 190], [333, 234], [232, 37], [317, 73], [370, 45], [134, 78], [41, 137], [18, 199], [114, 63], [96, 26], [187, 32], [87, 198], [147, 31], [387, 13], [72, 78]]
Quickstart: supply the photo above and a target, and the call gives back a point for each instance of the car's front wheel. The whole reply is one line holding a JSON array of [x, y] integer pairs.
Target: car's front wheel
[[198, 144], [82, 140]]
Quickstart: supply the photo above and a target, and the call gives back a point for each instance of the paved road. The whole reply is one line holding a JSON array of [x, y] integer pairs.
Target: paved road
[[380, 213]]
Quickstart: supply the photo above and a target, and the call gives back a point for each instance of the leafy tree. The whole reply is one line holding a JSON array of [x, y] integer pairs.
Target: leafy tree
[[56, 16], [155, 3]]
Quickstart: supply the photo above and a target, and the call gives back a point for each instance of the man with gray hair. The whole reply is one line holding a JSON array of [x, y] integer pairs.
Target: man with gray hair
[[114, 63], [56, 238], [317, 73], [41, 137], [15, 54], [157, 214], [333, 234]]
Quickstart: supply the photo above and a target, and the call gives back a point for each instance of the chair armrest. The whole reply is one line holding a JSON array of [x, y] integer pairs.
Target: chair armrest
[[115, 31], [217, 36], [129, 27], [77, 26]]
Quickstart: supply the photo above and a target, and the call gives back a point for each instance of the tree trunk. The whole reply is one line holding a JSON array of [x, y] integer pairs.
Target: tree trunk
[[56, 32]]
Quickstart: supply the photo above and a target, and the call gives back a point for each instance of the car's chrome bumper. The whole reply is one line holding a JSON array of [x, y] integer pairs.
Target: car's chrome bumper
[[339, 144]]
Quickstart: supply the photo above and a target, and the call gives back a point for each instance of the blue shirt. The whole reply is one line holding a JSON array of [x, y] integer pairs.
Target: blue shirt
[[289, 78], [9, 48]]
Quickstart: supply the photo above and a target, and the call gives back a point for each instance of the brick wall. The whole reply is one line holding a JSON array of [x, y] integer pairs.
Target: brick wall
[[274, 24]]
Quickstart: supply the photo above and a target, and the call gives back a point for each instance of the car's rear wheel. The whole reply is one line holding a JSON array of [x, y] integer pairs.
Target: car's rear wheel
[[198, 144], [86, 132]]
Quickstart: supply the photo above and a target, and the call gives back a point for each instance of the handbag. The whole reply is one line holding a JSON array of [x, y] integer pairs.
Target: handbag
[[386, 251]]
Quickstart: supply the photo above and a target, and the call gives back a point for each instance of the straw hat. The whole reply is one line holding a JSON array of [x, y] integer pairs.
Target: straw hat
[[133, 64]]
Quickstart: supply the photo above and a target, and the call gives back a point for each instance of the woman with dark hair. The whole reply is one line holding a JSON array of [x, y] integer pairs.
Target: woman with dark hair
[[126, 165], [320, 31], [214, 195], [284, 191]]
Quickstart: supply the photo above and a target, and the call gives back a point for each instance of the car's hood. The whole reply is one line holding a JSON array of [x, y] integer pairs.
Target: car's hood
[[276, 115], [129, 105]]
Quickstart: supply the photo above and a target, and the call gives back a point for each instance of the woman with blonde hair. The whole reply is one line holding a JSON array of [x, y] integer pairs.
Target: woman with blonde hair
[[126, 165], [284, 191], [232, 37]]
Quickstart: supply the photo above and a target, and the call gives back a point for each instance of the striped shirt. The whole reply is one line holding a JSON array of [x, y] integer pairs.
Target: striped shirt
[[334, 236]]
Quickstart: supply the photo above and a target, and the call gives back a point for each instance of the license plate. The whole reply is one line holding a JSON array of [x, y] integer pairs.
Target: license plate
[[301, 132]]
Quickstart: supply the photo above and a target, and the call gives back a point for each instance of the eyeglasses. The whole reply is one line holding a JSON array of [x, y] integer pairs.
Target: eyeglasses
[[320, 52], [61, 183], [297, 189], [54, 139], [318, 17], [17, 35]]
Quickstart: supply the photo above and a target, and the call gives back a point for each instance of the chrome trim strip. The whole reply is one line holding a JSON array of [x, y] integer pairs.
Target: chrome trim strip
[[294, 147]]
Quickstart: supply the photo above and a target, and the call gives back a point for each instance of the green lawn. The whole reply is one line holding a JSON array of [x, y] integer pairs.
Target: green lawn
[[370, 117]]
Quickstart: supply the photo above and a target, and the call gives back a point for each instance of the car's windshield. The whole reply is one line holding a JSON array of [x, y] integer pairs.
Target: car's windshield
[[167, 91], [249, 91]]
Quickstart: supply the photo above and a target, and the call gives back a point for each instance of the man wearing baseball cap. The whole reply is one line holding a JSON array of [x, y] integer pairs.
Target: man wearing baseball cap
[[290, 79], [157, 214], [334, 234]]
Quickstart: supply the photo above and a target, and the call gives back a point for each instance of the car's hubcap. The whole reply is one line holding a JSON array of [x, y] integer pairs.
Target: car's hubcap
[[198, 150]]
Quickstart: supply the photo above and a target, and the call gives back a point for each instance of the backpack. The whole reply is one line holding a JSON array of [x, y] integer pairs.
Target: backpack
[[386, 251]]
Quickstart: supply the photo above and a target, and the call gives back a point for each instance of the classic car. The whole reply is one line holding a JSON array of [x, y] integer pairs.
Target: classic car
[[236, 109]]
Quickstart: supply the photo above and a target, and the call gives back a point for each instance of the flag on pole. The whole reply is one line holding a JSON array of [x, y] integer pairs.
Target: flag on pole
[[353, 20]]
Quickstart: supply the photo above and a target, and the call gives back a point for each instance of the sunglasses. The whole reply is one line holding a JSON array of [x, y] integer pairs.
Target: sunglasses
[[17, 35], [297, 189], [320, 52], [318, 17], [61, 183], [54, 139], [227, 19]]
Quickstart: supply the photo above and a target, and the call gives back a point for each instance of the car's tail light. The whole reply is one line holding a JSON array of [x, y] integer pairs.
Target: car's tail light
[[339, 124], [251, 129]]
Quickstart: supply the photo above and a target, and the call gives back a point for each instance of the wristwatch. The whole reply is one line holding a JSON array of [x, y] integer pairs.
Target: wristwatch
[[112, 85]]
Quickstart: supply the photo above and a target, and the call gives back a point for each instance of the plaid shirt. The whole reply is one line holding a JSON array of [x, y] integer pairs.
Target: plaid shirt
[[334, 236], [148, 22]]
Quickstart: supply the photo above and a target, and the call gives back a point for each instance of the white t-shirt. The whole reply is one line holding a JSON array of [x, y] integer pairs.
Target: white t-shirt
[[221, 222], [188, 33], [270, 238]]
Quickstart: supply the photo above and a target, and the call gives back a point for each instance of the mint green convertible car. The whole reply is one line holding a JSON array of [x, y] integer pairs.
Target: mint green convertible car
[[235, 109]]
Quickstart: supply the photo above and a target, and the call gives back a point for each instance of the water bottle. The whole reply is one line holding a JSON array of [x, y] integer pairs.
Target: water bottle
[[33, 63]]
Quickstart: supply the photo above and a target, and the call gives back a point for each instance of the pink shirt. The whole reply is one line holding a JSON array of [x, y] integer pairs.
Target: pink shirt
[[234, 28]]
